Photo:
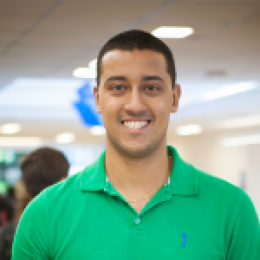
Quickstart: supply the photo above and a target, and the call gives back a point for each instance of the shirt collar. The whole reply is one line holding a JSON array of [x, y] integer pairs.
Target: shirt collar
[[183, 179], [94, 175]]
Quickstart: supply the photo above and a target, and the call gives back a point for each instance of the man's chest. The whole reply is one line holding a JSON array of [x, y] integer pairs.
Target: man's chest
[[119, 233]]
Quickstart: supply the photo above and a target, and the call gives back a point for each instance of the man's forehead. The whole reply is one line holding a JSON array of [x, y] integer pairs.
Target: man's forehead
[[115, 57], [134, 64]]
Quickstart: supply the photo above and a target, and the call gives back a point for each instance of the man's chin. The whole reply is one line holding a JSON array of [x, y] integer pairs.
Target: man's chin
[[135, 149], [136, 152]]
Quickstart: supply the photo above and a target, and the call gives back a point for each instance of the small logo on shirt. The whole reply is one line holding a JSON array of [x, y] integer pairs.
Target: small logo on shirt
[[184, 239]]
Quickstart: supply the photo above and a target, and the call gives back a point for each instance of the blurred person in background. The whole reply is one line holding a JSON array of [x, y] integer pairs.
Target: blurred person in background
[[139, 200], [6, 210], [11, 194], [40, 169]]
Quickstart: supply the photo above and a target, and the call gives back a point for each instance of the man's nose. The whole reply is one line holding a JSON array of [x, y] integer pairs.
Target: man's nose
[[135, 101]]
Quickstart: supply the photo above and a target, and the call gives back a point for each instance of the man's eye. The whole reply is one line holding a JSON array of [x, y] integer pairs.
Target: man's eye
[[118, 87], [152, 88]]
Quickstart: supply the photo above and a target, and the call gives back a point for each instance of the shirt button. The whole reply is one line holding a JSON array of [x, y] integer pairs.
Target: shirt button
[[137, 221]]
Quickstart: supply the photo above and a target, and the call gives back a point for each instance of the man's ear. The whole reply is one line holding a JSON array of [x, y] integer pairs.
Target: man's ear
[[176, 92], [97, 100]]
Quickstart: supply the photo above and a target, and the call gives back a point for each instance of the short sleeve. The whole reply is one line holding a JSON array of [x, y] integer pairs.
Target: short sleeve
[[245, 240], [32, 235]]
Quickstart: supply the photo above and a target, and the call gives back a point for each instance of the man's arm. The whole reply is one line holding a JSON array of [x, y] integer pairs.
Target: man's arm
[[245, 241], [32, 235]]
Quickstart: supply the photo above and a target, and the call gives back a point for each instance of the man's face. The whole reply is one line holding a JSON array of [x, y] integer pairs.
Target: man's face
[[135, 98]]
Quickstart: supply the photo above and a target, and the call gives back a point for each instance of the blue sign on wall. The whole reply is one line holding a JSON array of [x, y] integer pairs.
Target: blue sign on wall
[[85, 105]]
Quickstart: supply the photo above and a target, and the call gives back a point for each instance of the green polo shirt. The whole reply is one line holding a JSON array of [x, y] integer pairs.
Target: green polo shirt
[[194, 216]]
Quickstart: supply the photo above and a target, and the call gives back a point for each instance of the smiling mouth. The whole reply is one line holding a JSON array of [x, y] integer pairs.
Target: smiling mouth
[[135, 125]]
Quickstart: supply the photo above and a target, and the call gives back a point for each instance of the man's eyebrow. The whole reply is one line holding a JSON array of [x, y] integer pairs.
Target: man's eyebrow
[[152, 77], [122, 78], [144, 78]]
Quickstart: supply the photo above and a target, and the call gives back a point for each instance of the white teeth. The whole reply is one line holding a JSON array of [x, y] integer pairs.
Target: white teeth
[[135, 124]]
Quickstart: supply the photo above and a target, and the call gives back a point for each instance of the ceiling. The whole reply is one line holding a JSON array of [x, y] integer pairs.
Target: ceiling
[[47, 40]]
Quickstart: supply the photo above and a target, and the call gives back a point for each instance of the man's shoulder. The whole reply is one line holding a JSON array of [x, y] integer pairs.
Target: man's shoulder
[[204, 181], [222, 189], [51, 200], [69, 187], [70, 184]]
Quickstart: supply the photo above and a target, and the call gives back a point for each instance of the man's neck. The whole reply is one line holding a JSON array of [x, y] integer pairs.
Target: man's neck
[[135, 177]]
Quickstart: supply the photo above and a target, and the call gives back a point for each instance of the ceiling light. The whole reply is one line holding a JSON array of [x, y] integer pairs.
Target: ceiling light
[[230, 90], [87, 73], [65, 138], [20, 141], [239, 122], [97, 130], [216, 74], [93, 64], [189, 130], [241, 140], [172, 32], [11, 128]]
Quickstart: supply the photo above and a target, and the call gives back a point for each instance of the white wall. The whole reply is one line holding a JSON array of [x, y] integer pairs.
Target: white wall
[[207, 153], [254, 174]]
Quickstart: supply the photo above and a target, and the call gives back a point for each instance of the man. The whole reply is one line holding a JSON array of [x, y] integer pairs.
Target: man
[[139, 200], [40, 169]]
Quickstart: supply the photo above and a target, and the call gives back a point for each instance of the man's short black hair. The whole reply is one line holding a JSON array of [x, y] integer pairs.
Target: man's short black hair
[[42, 168], [137, 40]]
